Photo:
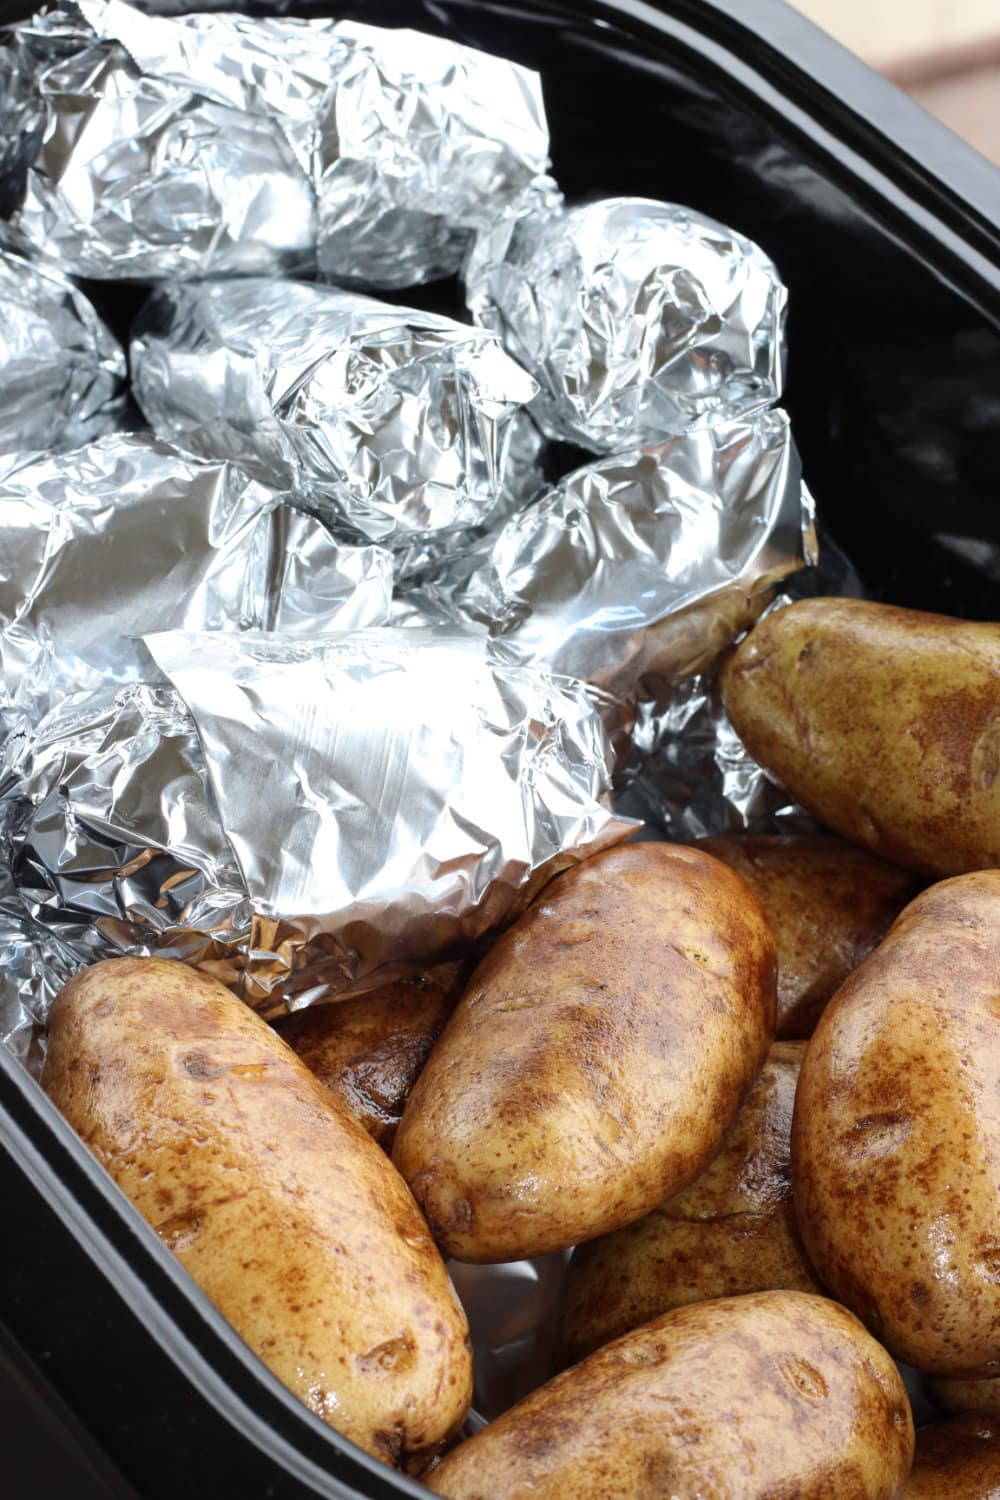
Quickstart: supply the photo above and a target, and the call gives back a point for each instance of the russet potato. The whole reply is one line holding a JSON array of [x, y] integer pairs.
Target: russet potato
[[883, 722], [746, 1398], [896, 1135], [368, 1051], [956, 1460], [828, 905], [971, 1394], [731, 1231], [596, 1058], [278, 1203]]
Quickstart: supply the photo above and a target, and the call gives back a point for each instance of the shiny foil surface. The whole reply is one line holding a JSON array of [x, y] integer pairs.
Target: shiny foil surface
[[223, 144], [637, 318], [62, 373], [298, 815], [394, 421], [128, 535], [635, 571]]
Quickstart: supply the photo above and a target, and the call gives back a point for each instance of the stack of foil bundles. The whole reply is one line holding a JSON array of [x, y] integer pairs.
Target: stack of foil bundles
[[61, 372], [394, 421], [217, 742], [149, 148]]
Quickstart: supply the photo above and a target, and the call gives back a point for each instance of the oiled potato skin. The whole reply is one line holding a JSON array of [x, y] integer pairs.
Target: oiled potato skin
[[982, 1395], [731, 1231], [957, 1460], [747, 1398], [896, 1134], [596, 1058], [828, 904], [884, 722], [278, 1203], [369, 1051]]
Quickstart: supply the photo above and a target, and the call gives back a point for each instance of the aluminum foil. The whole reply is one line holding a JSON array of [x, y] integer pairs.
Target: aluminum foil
[[298, 816], [635, 571], [128, 534], [637, 318], [225, 144], [61, 371], [394, 421]]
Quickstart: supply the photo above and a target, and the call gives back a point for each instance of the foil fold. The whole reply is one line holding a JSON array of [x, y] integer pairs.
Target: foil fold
[[637, 318], [302, 818], [128, 534], [394, 422], [152, 147], [62, 371]]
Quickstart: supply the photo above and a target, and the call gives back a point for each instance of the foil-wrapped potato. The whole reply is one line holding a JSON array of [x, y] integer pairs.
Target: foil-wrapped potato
[[278, 1203], [828, 905], [956, 1460], [896, 1134], [778, 1394], [596, 1058], [369, 1051], [732, 1231], [883, 722]]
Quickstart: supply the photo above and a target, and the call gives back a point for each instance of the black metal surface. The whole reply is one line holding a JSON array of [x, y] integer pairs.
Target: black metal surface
[[887, 231]]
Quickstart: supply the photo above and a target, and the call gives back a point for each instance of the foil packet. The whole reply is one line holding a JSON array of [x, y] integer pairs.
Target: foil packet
[[62, 372], [395, 422], [128, 535], [300, 818], [637, 318], [635, 571], [154, 148]]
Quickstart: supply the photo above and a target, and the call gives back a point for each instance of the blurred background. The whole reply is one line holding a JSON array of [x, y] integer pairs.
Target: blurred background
[[946, 53]]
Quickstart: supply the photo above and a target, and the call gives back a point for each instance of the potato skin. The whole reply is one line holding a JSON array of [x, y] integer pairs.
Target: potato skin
[[896, 1134], [369, 1051], [956, 1394], [596, 1058], [883, 722], [278, 1203], [828, 905], [747, 1398], [957, 1460], [731, 1231]]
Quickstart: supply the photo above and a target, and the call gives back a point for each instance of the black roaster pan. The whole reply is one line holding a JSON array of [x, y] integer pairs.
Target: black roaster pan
[[117, 1376]]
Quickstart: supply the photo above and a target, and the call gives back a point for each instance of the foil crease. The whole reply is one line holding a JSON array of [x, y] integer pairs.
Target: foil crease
[[394, 422], [637, 318], [297, 816], [61, 370], [224, 144], [635, 571], [128, 535]]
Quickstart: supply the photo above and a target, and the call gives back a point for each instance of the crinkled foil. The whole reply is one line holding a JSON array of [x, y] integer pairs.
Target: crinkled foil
[[225, 144], [637, 318], [62, 374], [129, 535], [394, 421], [635, 571], [295, 816]]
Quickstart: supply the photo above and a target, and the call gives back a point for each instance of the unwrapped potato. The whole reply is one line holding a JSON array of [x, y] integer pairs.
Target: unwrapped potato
[[957, 1394], [596, 1058], [732, 1231], [896, 1134], [828, 905], [278, 1203], [883, 722], [777, 1394], [956, 1460], [369, 1051]]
